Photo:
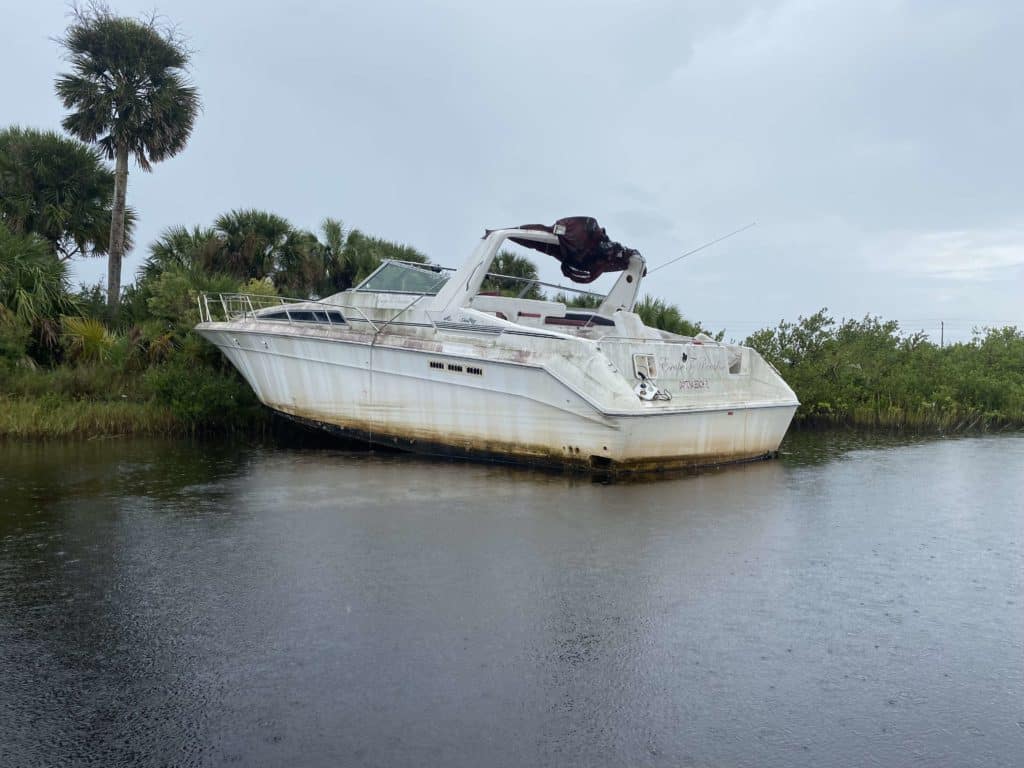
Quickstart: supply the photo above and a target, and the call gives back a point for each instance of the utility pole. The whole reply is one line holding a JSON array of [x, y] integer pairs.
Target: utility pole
[[942, 334]]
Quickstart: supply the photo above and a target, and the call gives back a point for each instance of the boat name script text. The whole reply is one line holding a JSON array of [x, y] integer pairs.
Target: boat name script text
[[673, 369]]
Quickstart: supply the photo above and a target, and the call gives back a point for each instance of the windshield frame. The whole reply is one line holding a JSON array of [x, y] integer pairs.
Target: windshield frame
[[411, 267]]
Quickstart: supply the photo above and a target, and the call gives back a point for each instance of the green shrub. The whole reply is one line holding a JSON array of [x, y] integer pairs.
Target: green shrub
[[92, 302], [173, 296], [259, 288], [14, 338], [206, 399], [867, 372]]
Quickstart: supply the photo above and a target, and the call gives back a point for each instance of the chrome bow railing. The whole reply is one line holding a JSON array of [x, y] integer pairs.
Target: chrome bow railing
[[231, 307]]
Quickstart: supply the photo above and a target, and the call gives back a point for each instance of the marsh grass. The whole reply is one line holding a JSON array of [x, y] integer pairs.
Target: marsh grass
[[54, 418], [923, 420], [103, 400]]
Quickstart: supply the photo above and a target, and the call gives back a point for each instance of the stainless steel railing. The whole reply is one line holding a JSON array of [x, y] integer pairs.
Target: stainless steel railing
[[231, 307]]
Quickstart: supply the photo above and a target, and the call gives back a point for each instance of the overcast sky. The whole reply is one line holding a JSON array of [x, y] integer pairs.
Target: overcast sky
[[876, 143]]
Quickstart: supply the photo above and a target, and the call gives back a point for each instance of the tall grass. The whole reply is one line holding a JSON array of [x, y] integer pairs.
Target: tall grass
[[50, 417], [922, 419]]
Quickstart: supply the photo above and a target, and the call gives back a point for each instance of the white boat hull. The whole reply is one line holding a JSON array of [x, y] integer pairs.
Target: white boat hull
[[528, 412]]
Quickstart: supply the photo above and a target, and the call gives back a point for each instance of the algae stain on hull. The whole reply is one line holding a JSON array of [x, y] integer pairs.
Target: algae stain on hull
[[569, 457]]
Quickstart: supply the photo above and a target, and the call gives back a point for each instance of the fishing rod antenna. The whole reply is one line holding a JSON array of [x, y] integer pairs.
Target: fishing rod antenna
[[702, 247]]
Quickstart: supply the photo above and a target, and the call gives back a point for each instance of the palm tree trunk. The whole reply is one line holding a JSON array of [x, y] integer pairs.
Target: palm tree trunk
[[116, 253]]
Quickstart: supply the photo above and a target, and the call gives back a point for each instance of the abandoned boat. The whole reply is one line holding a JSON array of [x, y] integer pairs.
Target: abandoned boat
[[453, 362]]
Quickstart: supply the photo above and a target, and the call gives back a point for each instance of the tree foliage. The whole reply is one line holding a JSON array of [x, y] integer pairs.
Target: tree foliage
[[87, 339], [258, 245], [861, 372], [34, 284], [578, 300], [511, 264], [659, 314], [128, 85], [181, 248], [364, 253], [59, 189], [868, 372]]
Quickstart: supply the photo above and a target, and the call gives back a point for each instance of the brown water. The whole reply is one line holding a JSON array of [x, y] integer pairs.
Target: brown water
[[855, 603]]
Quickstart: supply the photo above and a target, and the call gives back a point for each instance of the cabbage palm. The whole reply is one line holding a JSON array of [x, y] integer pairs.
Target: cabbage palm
[[364, 253], [511, 264], [33, 282], [300, 265], [180, 247], [656, 313], [129, 94], [87, 339], [253, 244], [58, 188], [333, 276]]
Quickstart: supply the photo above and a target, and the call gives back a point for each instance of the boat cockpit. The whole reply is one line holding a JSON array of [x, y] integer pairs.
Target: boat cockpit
[[583, 249]]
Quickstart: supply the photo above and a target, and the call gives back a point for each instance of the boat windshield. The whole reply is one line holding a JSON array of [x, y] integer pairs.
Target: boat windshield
[[403, 277]]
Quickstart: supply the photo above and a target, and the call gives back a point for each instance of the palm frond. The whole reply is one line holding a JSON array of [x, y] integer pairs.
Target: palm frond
[[58, 188], [87, 339], [34, 284]]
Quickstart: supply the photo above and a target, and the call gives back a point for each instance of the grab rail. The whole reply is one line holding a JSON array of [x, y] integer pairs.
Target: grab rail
[[245, 306]]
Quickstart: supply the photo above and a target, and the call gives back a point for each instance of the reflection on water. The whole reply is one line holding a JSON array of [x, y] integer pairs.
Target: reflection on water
[[805, 447], [855, 603]]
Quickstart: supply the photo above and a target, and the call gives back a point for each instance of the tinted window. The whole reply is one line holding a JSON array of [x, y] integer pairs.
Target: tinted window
[[331, 316]]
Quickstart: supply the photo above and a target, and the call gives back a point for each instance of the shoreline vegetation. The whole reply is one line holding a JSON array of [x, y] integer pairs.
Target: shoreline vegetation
[[73, 367], [94, 363]]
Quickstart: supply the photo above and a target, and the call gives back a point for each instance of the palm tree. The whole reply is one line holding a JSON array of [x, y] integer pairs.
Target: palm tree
[[333, 240], [578, 300], [181, 248], [656, 313], [58, 188], [256, 245], [128, 93], [253, 243], [364, 253], [512, 264], [33, 283], [300, 265], [245, 245]]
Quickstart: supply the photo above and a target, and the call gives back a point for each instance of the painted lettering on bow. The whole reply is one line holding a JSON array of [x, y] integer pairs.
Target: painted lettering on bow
[[694, 383]]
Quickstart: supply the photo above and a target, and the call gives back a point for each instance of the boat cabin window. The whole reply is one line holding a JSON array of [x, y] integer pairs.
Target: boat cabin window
[[402, 277], [306, 316]]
